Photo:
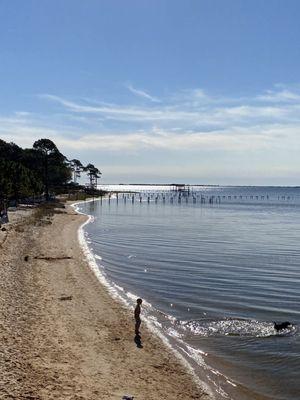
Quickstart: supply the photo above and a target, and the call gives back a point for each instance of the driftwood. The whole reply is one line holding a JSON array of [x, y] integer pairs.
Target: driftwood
[[48, 258], [63, 298]]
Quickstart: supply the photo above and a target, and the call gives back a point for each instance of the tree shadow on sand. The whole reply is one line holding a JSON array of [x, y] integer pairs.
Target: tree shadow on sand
[[138, 341]]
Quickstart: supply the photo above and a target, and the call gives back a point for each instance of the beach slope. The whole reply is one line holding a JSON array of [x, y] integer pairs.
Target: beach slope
[[62, 336]]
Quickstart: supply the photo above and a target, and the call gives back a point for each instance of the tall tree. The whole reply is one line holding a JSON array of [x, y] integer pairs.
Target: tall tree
[[94, 174], [56, 170], [77, 168]]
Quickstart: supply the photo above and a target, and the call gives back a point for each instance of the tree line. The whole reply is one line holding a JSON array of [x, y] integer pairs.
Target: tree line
[[40, 170]]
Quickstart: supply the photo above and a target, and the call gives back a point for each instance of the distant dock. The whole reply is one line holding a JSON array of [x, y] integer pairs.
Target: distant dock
[[188, 194]]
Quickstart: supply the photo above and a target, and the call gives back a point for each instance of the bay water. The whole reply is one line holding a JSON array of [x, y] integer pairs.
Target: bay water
[[216, 266]]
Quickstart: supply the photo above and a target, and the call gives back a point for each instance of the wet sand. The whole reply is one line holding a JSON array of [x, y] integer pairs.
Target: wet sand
[[62, 336]]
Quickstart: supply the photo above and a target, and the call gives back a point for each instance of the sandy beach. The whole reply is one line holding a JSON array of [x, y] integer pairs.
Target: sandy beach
[[62, 336]]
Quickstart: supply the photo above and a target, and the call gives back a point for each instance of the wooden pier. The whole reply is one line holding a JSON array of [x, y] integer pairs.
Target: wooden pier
[[183, 194]]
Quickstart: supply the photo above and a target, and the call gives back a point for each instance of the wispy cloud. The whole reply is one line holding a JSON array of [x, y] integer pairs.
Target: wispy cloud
[[280, 96], [190, 120], [189, 115], [142, 93]]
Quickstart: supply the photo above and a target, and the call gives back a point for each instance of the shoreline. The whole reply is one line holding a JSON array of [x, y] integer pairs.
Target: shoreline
[[90, 257], [64, 336]]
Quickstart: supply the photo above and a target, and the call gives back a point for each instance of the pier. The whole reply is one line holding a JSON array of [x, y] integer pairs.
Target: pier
[[185, 194]]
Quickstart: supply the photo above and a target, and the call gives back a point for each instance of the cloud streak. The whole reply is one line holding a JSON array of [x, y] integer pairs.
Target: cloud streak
[[187, 121], [281, 96], [201, 111], [142, 93]]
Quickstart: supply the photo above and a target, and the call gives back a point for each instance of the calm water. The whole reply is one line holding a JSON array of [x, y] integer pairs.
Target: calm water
[[214, 277]]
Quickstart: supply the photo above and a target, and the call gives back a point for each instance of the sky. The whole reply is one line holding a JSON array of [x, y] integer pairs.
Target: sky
[[194, 91]]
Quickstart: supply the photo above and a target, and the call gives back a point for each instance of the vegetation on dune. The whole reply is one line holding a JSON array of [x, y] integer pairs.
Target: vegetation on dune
[[39, 171]]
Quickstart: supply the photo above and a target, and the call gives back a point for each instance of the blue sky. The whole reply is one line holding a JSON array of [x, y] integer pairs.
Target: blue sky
[[157, 91]]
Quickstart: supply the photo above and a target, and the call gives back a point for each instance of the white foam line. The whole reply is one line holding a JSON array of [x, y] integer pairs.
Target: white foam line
[[231, 383], [89, 255], [115, 295], [183, 361]]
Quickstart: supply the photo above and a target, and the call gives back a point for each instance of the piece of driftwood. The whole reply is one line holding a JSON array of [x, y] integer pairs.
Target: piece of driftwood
[[48, 258], [64, 298]]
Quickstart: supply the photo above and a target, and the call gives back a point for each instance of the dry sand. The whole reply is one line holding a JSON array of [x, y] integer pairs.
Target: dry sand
[[62, 336]]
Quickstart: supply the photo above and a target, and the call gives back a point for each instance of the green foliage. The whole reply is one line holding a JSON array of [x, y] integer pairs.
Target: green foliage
[[17, 181], [46, 147], [53, 166], [29, 172], [76, 168], [94, 174], [41, 169]]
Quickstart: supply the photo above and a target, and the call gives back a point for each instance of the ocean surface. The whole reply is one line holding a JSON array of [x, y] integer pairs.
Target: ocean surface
[[215, 267]]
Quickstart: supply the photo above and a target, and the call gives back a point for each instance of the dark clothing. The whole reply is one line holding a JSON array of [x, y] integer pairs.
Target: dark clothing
[[137, 326], [137, 312], [138, 321]]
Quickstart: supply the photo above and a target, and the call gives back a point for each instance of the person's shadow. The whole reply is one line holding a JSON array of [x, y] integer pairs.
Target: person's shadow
[[138, 341]]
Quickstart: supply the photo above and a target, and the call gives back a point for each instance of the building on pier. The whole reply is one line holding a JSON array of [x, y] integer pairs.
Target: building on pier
[[180, 188]]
